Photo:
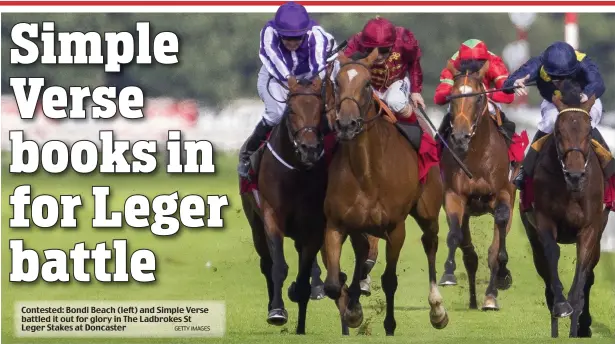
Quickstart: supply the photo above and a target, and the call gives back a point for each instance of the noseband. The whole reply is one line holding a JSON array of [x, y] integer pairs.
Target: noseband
[[561, 156], [366, 92], [293, 134], [481, 100]]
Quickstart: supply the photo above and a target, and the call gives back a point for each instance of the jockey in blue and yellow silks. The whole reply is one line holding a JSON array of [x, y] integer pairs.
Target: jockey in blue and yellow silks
[[558, 62]]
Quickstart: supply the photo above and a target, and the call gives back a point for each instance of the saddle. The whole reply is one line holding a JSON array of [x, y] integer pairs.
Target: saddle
[[409, 128]]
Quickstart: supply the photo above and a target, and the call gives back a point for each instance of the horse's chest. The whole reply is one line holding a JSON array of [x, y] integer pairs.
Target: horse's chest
[[362, 211]]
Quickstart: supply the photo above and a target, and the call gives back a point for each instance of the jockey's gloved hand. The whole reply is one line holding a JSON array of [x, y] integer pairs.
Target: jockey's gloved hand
[[583, 97], [520, 89]]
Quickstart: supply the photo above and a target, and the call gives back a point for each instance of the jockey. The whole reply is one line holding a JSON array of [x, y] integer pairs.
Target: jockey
[[396, 74], [558, 62], [291, 43], [474, 49]]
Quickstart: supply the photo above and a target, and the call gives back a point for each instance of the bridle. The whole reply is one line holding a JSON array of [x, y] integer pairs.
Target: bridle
[[561, 156], [482, 100], [366, 93]]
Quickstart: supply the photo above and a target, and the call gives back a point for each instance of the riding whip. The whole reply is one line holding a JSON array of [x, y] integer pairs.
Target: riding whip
[[488, 91], [457, 159]]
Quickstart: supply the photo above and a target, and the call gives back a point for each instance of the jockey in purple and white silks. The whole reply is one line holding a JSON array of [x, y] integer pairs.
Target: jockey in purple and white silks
[[291, 43]]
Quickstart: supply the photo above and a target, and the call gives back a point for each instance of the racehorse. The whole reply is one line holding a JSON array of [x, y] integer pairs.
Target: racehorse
[[568, 209], [292, 179], [476, 139], [373, 186]]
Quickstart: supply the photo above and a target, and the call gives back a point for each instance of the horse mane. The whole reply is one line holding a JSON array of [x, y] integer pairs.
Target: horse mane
[[470, 66], [571, 93]]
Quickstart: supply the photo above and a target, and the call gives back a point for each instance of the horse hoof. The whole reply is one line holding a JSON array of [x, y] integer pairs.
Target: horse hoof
[[584, 333], [354, 317], [365, 286], [292, 292], [277, 317], [442, 323], [490, 304], [448, 280], [562, 309], [318, 292], [504, 283]]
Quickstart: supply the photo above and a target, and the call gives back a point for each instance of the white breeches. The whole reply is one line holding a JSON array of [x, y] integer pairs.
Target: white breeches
[[275, 97], [396, 97], [549, 115]]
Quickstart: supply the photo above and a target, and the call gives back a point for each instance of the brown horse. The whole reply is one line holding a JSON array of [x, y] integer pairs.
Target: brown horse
[[373, 186], [568, 209], [292, 180], [476, 139]]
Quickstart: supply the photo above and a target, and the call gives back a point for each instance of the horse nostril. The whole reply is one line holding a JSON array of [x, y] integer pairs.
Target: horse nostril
[[354, 123], [303, 146], [466, 136]]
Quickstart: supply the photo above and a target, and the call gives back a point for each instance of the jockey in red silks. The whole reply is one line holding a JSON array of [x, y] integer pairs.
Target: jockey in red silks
[[397, 79], [469, 51], [397, 76], [291, 43]]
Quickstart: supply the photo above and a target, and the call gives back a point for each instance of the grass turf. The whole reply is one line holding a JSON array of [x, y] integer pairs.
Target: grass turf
[[235, 277]]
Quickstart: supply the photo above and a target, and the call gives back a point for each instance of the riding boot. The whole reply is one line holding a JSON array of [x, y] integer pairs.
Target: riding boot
[[250, 146], [445, 126], [508, 125], [528, 162]]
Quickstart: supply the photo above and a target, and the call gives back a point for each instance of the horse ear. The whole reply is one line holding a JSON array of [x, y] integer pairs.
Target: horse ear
[[317, 83], [556, 100], [587, 106], [451, 68], [484, 69], [371, 58], [292, 82]]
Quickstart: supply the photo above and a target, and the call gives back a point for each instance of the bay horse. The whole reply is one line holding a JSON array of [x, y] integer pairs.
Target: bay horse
[[373, 186], [292, 179], [568, 209], [475, 138]]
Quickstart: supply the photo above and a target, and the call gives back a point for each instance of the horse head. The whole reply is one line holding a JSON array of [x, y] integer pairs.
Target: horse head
[[304, 114], [354, 95], [572, 134], [466, 112]]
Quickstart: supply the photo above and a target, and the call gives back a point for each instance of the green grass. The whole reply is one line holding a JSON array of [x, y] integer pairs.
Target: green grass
[[236, 279]]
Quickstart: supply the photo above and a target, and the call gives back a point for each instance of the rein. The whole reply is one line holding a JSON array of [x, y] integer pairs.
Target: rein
[[482, 99], [561, 156], [487, 91]]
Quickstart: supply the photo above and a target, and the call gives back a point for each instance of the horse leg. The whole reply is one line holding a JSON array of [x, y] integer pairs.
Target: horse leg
[[588, 254], [454, 206], [366, 280], [503, 221], [353, 314], [546, 235], [497, 255], [470, 259], [299, 291], [430, 228], [317, 285], [260, 243], [585, 319], [335, 287], [394, 242], [540, 263], [275, 241]]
